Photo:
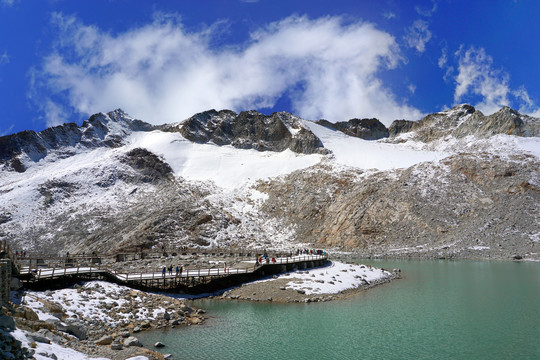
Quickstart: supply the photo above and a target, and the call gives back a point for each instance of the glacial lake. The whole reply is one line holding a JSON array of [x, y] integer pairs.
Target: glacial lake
[[438, 310]]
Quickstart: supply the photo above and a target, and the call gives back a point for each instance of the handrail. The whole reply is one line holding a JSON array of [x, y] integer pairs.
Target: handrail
[[189, 272], [5, 248]]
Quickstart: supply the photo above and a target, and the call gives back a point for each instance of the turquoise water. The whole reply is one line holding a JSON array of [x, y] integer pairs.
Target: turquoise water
[[439, 310]]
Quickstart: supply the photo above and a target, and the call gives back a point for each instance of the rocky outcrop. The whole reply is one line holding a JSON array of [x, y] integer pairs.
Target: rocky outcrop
[[149, 167], [99, 130], [367, 129], [250, 130], [465, 120]]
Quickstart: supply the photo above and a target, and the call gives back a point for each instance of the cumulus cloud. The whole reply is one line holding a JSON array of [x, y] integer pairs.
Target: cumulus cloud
[[477, 78], [162, 73], [418, 35]]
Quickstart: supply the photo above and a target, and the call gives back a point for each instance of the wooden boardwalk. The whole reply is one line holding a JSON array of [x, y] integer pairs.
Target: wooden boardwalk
[[191, 280]]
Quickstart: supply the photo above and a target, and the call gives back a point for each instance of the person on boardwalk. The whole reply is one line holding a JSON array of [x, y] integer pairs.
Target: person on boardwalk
[[181, 269], [170, 270], [177, 270], [163, 271]]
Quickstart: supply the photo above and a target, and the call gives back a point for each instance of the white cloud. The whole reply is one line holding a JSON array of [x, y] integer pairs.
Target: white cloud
[[427, 12], [162, 73], [54, 113], [443, 59], [477, 78], [4, 58], [389, 15], [4, 132], [8, 2], [418, 35]]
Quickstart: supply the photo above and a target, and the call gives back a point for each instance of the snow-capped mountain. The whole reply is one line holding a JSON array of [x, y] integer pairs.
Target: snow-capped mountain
[[454, 184]]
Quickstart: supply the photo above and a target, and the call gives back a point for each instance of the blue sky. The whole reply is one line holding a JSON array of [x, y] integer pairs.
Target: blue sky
[[163, 61]]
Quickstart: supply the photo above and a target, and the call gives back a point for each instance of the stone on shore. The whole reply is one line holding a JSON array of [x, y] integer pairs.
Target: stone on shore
[[132, 341], [104, 340], [116, 346]]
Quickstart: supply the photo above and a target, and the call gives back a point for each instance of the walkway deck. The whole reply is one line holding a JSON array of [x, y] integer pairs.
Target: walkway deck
[[191, 280]]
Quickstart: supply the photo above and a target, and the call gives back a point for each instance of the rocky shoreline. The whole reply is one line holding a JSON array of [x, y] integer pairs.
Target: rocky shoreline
[[99, 319], [320, 284]]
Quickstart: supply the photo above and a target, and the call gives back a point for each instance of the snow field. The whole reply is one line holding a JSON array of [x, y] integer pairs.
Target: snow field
[[332, 279]]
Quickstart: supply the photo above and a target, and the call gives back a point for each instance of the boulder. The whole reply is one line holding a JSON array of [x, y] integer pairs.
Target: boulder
[[7, 322], [104, 340], [27, 313], [159, 344], [132, 341], [50, 335], [36, 337], [75, 328], [116, 346]]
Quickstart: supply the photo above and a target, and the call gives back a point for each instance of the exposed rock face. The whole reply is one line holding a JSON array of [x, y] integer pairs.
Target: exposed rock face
[[99, 130], [251, 130], [467, 201], [465, 120], [150, 167], [367, 129]]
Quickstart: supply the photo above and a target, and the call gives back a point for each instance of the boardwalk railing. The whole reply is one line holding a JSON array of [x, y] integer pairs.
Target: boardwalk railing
[[5, 249], [32, 258], [159, 279]]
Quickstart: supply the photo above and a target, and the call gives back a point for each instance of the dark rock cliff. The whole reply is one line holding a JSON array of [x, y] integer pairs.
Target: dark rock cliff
[[250, 130], [367, 129]]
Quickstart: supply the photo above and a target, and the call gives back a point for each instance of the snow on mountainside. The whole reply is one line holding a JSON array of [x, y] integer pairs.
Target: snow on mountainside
[[227, 179]]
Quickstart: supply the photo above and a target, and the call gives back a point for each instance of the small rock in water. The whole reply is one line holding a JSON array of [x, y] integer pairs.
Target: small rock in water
[[159, 344]]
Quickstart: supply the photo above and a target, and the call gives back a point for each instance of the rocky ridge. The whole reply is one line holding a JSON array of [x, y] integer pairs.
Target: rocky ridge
[[465, 120], [367, 129], [250, 130], [100, 130]]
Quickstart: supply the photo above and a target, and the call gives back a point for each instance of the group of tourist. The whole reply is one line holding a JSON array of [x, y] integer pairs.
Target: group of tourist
[[179, 270], [310, 252], [264, 258]]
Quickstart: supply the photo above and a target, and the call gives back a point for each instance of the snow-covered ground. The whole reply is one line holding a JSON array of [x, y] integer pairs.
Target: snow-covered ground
[[45, 351], [226, 166], [89, 305], [369, 154], [93, 301], [332, 279]]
